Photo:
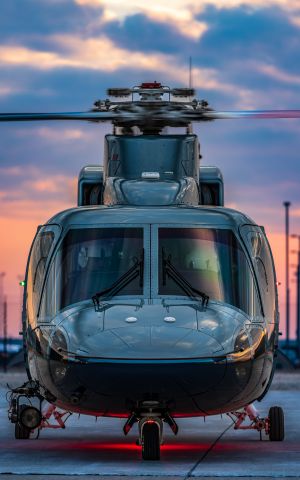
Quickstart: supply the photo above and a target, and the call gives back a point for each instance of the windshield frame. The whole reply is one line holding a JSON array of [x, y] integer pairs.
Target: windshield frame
[[155, 282], [151, 261]]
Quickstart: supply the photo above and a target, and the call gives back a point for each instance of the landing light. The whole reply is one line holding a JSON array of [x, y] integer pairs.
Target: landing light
[[60, 372]]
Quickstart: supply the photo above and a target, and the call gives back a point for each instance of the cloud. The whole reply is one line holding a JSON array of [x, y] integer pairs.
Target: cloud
[[33, 19], [58, 184], [182, 14], [120, 9], [295, 20], [21, 187], [278, 74], [58, 134], [237, 31], [11, 171], [94, 53], [18, 55], [7, 90], [101, 54]]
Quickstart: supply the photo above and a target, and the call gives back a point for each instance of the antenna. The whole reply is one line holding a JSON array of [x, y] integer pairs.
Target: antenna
[[190, 72]]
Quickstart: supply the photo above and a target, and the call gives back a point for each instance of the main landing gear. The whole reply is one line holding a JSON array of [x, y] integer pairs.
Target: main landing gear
[[150, 418], [25, 411], [272, 425]]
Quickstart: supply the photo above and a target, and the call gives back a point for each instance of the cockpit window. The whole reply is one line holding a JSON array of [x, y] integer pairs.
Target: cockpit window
[[212, 261], [89, 261]]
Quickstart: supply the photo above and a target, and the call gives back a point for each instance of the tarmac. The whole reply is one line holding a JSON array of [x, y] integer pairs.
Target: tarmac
[[210, 449]]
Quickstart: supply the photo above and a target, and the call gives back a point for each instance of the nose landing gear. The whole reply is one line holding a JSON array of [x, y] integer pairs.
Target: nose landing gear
[[150, 419]]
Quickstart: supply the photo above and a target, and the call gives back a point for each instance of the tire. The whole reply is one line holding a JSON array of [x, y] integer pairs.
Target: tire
[[151, 442], [21, 432], [276, 419]]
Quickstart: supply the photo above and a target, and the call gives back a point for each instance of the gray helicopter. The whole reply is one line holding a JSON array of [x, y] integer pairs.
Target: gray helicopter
[[150, 300]]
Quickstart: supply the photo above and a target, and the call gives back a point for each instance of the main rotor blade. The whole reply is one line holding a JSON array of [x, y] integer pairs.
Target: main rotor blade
[[214, 115], [90, 116], [145, 115]]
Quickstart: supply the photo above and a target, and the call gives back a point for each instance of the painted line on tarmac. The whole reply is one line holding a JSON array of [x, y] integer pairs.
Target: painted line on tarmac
[[190, 472]]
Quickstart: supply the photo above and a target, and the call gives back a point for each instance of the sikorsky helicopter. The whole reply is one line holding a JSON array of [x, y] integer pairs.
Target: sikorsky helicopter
[[150, 300]]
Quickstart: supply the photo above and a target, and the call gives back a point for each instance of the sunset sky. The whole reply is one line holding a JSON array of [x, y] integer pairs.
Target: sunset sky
[[61, 55]]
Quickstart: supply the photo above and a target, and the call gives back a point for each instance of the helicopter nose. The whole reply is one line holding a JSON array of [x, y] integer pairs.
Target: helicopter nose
[[154, 342], [147, 332]]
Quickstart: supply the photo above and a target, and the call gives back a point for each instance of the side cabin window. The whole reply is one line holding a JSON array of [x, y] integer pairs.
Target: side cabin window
[[42, 246], [264, 268]]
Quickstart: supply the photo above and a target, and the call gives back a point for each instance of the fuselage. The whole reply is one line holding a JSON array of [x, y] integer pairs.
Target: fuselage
[[153, 339]]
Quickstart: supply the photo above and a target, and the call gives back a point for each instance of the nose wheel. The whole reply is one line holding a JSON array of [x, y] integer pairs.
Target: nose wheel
[[150, 426], [151, 441]]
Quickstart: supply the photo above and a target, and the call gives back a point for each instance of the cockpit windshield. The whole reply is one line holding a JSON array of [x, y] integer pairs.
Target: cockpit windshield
[[198, 263], [212, 261], [89, 261]]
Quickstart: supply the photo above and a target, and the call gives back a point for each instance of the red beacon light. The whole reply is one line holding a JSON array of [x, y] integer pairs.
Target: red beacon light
[[150, 85]]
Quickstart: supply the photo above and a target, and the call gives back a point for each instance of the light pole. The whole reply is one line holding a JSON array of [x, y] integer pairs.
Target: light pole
[[2, 275], [190, 73], [5, 335], [3, 306], [286, 206], [298, 296]]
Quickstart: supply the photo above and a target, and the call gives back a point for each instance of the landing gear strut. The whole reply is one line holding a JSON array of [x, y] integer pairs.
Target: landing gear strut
[[273, 425]]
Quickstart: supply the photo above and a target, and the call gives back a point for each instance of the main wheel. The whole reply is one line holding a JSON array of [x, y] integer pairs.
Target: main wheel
[[276, 419], [151, 442], [21, 432]]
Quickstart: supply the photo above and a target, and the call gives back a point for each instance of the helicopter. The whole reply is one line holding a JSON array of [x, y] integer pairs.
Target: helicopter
[[149, 300]]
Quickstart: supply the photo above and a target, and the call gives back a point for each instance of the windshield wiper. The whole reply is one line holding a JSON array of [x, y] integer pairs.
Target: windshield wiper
[[136, 270], [169, 269]]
